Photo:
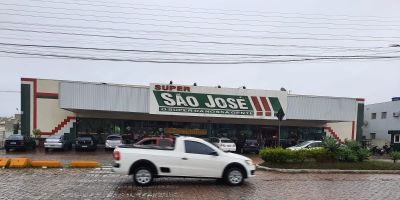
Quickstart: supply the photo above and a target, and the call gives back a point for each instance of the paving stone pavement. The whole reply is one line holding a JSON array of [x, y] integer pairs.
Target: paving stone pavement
[[103, 184]]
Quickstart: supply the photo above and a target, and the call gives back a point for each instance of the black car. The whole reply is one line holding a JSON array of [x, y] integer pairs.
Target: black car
[[20, 142], [250, 146], [85, 142]]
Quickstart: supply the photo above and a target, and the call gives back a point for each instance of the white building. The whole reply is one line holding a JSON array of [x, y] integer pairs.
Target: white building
[[380, 118], [72, 108]]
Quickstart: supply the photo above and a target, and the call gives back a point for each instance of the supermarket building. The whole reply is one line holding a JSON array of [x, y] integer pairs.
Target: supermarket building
[[72, 108]]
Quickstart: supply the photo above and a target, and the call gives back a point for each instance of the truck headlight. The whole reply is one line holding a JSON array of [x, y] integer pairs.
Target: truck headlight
[[249, 162]]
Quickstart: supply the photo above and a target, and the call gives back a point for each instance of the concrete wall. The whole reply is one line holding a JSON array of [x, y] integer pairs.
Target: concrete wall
[[381, 126], [304, 107], [50, 114], [344, 130]]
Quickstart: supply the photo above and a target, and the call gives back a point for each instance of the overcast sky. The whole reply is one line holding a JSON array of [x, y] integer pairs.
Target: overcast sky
[[374, 80]]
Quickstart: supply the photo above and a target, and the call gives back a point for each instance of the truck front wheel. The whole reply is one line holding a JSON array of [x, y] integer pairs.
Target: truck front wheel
[[234, 176], [143, 176]]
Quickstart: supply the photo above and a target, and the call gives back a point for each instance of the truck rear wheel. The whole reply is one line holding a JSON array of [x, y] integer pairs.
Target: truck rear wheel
[[234, 176], [143, 176]]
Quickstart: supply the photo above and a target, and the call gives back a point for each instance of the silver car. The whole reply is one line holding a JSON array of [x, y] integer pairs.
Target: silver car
[[112, 141], [57, 142]]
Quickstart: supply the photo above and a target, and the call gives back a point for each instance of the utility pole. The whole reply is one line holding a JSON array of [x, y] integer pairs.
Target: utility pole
[[280, 115]]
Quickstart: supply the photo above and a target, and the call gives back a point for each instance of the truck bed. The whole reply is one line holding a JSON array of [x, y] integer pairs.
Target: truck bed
[[155, 147]]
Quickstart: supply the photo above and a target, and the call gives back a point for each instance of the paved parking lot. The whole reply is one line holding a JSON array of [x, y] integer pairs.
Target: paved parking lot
[[103, 184], [101, 156]]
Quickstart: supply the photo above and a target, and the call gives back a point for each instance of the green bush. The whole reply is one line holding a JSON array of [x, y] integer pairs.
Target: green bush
[[353, 145], [330, 144], [395, 155], [280, 155], [320, 155], [362, 154], [351, 152], [298, 156], [276, 155], [346, 154]]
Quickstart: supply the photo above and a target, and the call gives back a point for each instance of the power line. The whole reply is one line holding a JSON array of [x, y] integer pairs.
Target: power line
[[184, 34], [196, 17], [243, 11], [187, 11], [196, 62], [221, 29], [214, 23], [177, 52], [158, 39]]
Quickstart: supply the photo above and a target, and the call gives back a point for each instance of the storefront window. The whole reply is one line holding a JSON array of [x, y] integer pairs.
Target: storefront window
[[396, 138], [135, 130]]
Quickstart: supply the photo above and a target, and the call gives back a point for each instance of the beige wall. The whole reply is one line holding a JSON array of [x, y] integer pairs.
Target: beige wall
[[50, 115], [342, 129], [47, 86]]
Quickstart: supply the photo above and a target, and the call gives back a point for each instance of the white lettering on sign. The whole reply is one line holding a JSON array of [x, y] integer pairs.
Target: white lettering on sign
[[168, 99], [242, 104], [211, 103], [180, 101], [192, 101], [221, 103], [232, 103]]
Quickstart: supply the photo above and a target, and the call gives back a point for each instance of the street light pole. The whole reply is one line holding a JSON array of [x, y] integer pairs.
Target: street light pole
[[280, 116], [279, 133]]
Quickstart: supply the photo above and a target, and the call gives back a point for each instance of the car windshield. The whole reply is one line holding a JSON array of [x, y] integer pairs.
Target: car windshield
[[302, 144], [226, 141], [55, 137], [251, 142], [15, 137], [115, 137], [84, 137]]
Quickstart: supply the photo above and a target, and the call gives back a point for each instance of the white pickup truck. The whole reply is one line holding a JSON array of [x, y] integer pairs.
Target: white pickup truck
[[190, 157]]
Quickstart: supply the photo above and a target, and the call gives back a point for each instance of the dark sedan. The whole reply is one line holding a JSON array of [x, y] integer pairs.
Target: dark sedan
[[85, 142], [251, 146], [20, 142]]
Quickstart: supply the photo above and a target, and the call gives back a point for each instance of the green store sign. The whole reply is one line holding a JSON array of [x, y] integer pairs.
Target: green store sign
[[216, 104]]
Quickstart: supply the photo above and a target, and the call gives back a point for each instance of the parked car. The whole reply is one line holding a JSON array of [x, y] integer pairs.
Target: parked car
[[113, 141], [224, 144], [250, 146], [57, 142], [189, 157], [19, 142], [156, 141], [309, 144], [85, 142]]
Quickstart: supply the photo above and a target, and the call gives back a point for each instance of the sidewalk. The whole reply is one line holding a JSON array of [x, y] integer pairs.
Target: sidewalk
[[101, 156]]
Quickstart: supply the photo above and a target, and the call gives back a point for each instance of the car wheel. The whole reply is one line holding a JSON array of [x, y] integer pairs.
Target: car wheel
[[143, 176], [234, 176], [46, 149], [7, 149]]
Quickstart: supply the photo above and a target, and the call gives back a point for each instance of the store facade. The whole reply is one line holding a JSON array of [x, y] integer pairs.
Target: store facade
[[72, 108]]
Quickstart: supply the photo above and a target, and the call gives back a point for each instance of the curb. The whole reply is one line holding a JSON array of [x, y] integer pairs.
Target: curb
[[328, 171], [28, 163], [83, 164]]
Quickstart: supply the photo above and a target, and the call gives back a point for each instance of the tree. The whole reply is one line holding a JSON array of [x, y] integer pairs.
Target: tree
[[37, 133]]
